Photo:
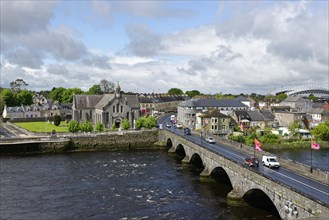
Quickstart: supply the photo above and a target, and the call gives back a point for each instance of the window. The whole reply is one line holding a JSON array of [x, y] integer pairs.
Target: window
[[113, 108], [121, 109]]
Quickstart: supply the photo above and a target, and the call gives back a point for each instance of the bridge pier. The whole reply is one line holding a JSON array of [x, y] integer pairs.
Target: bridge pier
[[205, 172], [186, 159], [234, 197], [172, 150]]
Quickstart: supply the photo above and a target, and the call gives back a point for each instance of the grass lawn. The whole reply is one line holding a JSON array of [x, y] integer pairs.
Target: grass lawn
[[42, 126]]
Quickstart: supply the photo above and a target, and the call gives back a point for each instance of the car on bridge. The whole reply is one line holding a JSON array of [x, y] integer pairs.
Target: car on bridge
[[168, 124], [179, 125], [251, 162], [187, 131], [210, 140]]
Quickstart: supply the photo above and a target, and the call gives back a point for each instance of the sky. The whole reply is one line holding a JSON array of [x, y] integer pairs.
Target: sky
[[228, 47]]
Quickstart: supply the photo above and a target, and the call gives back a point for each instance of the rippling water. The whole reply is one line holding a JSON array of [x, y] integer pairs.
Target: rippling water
[[112, 185]]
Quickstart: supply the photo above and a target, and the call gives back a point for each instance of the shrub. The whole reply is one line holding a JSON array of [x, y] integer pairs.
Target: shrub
[[57, 120], [73, 126], [99, 126], [86, 127], [125, 124]]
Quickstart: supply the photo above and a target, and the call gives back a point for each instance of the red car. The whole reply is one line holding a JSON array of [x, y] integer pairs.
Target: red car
[[251, 162]]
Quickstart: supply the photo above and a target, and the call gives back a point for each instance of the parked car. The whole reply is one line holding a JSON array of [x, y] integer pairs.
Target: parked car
[[251, 162], [179, 125], [210, 140], [187, 131], [270, 161]]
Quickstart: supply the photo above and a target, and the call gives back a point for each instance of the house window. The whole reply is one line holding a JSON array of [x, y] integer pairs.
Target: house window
[[121, 109], [113, 108]]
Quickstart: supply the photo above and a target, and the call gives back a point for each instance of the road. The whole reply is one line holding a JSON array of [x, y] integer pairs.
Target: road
[[311, 188]]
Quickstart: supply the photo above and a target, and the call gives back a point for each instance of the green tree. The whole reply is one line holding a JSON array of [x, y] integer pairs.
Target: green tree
[[270, 139], [67, 96], [2, 105], [293, 127], [95, 90], [57, 120], [125, 124], [8, 97], [73, 126], [139, 123], [175, 91], [18, 85], [24, 97], [281, 97], [321, 132], [56, 94], [86, 127], [192, 93], [99, 126], [312, 97], [149, 122]]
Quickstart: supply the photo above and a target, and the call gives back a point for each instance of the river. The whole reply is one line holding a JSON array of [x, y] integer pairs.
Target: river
[[113, 185]]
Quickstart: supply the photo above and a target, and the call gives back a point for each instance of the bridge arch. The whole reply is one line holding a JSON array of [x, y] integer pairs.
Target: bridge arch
[[168, 144], [259, 199]]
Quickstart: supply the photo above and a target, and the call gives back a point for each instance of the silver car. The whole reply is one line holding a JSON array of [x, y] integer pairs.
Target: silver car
[[210, 140]]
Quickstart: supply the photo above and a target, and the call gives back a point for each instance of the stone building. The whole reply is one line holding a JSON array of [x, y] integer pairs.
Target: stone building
[[108, 109]]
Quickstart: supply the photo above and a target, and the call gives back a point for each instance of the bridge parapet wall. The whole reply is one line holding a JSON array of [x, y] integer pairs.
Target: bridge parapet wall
[[244, 179], [303, 169]]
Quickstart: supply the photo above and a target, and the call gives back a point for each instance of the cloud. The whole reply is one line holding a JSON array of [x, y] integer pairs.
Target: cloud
[[143, 41], [25, 16], [152, 9]]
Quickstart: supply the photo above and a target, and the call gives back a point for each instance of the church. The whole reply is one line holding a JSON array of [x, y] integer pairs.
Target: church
[[107, 109]]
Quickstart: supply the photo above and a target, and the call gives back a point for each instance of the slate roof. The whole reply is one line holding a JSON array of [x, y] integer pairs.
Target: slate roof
[[104, 101], [242, 98], [132, 100], [268, 115], [214, 114], [86, 101], [255, 116], [212, 103], [242, 115]]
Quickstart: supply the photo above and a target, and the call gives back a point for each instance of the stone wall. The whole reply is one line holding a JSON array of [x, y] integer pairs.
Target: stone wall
[[146, 139], [127, 140]]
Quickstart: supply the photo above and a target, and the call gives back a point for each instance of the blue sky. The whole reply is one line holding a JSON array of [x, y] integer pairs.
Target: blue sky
[[152, 46]]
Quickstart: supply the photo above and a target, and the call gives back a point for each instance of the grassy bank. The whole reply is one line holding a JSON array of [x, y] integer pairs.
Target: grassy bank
[[42, 126]]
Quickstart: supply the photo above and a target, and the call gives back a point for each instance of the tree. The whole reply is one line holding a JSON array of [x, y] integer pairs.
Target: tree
[[8, 97], [2, 105], [293, 126], [150, 122], [57, 120], [106, 86], [312, 97], [281, 97], [125, 124], [99, 126], [67, 96], [321, 132], [192, 93], [56, 94], [86, 127], [24, 97], [95, 90], [18, 85], [73, 126], [139, 123], [175, 91]]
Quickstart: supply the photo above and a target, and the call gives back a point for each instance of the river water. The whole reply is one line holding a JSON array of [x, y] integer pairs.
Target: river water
[[113, 185]]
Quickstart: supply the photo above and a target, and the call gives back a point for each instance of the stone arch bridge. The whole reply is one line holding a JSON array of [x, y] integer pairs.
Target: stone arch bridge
[[288, 203]]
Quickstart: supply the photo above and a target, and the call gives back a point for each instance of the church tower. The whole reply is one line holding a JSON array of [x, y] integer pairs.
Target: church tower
[[117, 91]]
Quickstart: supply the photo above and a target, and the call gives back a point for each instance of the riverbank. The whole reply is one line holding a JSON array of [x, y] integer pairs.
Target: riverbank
[[114, 141]]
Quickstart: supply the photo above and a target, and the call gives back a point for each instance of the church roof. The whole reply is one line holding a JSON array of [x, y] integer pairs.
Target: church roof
[[86, 101], [104, 101]]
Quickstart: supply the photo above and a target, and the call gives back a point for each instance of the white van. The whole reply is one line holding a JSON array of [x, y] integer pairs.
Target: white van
[[270, 161], [172, 118]]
